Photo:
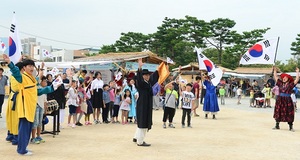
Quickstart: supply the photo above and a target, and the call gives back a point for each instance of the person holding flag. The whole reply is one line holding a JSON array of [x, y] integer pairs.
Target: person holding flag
[[212, 79], [284, 110], [27, 104], [210, 104]]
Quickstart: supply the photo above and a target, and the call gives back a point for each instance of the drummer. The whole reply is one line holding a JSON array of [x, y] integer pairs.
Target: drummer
[[40, 110]]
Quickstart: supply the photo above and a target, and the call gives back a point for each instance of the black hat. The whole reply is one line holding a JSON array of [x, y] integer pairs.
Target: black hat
[[145, 71]]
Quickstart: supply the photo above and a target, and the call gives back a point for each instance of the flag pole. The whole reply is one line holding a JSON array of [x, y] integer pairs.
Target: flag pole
[[275, 55], [276, 50]]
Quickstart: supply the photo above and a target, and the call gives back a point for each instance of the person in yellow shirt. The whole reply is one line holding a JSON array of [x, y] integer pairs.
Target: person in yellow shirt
[[26, 101], [251, 98], [222, 94], [12, 119], [268, 95]]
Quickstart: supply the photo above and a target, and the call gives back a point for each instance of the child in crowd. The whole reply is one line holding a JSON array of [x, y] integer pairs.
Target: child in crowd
[[89, 109], [187, 104], [170, 104], [239, 94], [268, 94], [116, 106], [251, 98], [125, 106], [222, 94], [40, 109], [111, 91], [183, 88], [72, 103], [106, 102], [82, 102], [294, 99]]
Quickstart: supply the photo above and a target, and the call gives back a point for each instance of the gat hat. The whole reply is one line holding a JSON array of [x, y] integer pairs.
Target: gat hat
[[145, 71], [291, 79]]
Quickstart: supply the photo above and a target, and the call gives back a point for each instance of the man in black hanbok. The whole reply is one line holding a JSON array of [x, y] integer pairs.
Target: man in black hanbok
[[144, 83]]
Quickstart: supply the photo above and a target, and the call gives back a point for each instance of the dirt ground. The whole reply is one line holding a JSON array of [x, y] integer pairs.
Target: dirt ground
[[238, 133]]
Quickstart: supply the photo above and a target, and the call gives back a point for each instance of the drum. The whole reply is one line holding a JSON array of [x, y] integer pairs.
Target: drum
[[52, 105]]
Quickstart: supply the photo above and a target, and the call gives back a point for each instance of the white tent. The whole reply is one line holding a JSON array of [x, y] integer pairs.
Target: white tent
[[238, 75], [70, 64]]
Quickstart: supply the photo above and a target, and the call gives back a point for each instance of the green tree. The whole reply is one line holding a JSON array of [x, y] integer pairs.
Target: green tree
[[47, 59], [220, 34], [296, 48], [168, 35], [132, 42], [195, 31], [108, 49]]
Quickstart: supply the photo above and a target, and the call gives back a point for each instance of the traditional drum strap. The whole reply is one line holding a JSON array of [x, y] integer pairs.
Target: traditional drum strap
[[13, 99]]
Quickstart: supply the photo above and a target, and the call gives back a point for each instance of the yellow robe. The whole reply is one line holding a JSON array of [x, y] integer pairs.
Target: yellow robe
[[12, 119], [28, 89]]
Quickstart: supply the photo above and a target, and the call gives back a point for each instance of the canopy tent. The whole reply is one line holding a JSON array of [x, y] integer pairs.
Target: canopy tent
[[238, 75], [70, 64]]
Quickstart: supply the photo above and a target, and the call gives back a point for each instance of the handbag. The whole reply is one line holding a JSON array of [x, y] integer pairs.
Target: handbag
[[165, 104]]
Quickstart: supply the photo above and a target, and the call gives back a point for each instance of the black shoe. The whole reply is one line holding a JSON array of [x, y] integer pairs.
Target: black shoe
[[144, 144], [134, 140], [78, 124]]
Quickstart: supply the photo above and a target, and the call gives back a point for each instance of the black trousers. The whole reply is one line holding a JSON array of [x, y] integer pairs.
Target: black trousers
[[169, 113], [1, 102], [105, 112], [186, 112], [203, 92]]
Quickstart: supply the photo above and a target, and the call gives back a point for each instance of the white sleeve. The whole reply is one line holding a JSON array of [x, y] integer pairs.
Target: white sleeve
[[93, 85]]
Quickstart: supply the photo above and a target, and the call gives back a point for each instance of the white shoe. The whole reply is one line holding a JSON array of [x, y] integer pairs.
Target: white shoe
[[27, 154], [70, 125], [73, 126]]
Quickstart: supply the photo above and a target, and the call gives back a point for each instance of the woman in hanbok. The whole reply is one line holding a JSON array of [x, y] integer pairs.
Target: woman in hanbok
[[210, 100], [284, 110], [134, 96]]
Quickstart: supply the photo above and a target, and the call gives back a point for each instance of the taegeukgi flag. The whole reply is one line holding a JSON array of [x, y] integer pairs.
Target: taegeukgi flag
[[2, 46], [15, 47], [214, 73], [263, 52]]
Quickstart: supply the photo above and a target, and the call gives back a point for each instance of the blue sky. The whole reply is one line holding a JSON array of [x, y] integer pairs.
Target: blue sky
[[98, 22]]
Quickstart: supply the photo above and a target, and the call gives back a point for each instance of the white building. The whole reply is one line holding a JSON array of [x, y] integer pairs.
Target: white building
[[46, 52], [38, 52], [28, 45], [63, 55]]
